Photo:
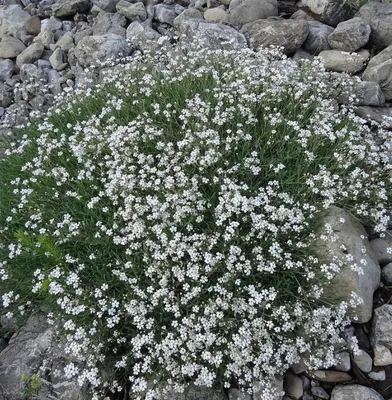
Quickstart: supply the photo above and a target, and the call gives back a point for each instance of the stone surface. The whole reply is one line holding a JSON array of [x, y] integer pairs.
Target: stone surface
[[106, 5], [7, 68], [363, 361], [382, 115], [290, 34], [10, 47], [330, 376], [340, 61], [368, 93], [383, 250], [245, 11], [354, 392], [57, 60], [317, 39], [109, 23], [132, 12], [344, 362], [5, 98], [216, 14], [69, 8], [293, 386], [142, 36], [350, 35], [377, 376], [93, 49], [189, 13], [166, 13], [29, 55], [12, 21], [319, 392], [381, 335], [386, 272], [379, 17], [235, 394], [33, 25]]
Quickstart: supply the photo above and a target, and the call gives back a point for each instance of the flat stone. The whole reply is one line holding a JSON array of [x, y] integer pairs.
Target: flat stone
[[363, 361], [330, 376], [382, 115], [33, 25], [132, 11], [381, 335], [317, 39], [386, 272], [350, 35], [290, 34], [383, 251], [10, 47], [354, 392], [245, 11], [30, 55], [69, 8], [7, 68], [340, 61]]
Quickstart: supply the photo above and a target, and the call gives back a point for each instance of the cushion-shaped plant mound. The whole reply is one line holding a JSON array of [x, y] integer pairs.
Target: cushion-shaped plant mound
[[164, 217]]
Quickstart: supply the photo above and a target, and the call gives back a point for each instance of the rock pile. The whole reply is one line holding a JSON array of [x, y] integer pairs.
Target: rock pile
[[45, 46]]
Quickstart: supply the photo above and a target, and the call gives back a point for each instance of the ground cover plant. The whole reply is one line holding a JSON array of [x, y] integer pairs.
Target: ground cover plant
[[164, 217]]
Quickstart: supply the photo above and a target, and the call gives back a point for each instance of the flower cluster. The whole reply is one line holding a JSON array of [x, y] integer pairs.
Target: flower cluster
[[165, 217]]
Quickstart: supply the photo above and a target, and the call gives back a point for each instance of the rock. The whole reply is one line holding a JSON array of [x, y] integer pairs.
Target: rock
[[377, 376], [10, 47], [381, 335], [216, 14], [331, 12], [235, 394], [340, 61], [189, 13], [109, 23], [349, 234], [319, 392], [99, 48], [302, 15], [31, 54], [52, 23], [381, 115], [379, 17], [84, 33], [344, 361], [165, 14], [142, 36], [363, 361], [215, 36], [245, 11], [132, 11], [382, 250], [367, 93], [330, 376], [12, 21], [287, 33], [69, 8], [386, 272], [354, 392], [30, 72], [46, 37], [65, 43], [302, 54], [5, 101], [293, 386], [317, 39], [7, 68], [58, 60], [106, 5], [33, 25], [350, 35]]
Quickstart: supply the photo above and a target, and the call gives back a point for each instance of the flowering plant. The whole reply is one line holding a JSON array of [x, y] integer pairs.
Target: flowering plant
[[164, 217]]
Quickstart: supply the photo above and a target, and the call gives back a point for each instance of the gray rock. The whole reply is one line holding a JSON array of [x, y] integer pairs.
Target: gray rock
[[379, 17], [10, 47], [214, 36], [188, 13], [386, 272], [341, 61], [216, 14], [106, 5], [302, 15], [52, 23], [356, 392], [350, 35], [367, 93], [331, 12], [33, 25], [12, 21], [381, 335], [5, 101], [302, 54], [7, 68], [58, 60], [30, 72], [65, 43], [344, 361], [317, 39], [79, 35], [166, 14], [235, 394], [363, 361], [245, 11], [31, 54], [347, 281], [109, 23], [377, 376], [69, 8], [46, 37], [132, 11], [142, 36], [330, 376], [293, 386], [287, 33], [99, 48], [319, 392], [382, 250], [381, 115]]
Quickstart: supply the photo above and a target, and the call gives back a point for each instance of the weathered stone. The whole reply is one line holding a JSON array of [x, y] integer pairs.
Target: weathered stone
[[330, 376], [363, 361], [30, 72], [46, 37], [293, 386], [386, 272], [383, 250], [106, 5], [7, 68], [69, 8], [51, 23], [350, 35], [81, 34], [10, 47], [381, 335], [132, 11], [166, 13], [31, 54], [367, 93], [331, 12], [344, 361], [319, 392], [189, 13], [142, 36], [302, 54], [381, 115], [245, 11], [12, 21], [379, 17], [317, 39], [377, 376], [214, 36], [235, 394], [290, 34], [5, 101], [348, 236], [58, 60], [216, 14], [65, 43], [302, 15], [109, 23], [341, 61], [356, 392], [93, 49]]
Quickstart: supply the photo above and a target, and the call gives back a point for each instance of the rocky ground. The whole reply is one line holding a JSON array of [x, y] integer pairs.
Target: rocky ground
[[45, 46]]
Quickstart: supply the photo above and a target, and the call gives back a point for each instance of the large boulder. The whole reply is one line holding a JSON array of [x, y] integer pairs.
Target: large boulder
[[381, 336], [354, 392], [10, 47], [350, 35], [245, 11], [331, 12], [93, 49], [317, 39], [12, 21], [341, 61], [379, 17], [290, 34], [109, 23], [69, 8], [379, 69], [351, 239], [142, 36]]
